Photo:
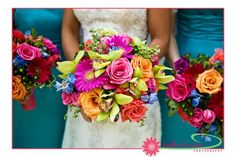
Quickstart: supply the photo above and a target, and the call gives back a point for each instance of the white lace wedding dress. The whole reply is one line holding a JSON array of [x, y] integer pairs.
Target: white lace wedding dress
[[82, 134]]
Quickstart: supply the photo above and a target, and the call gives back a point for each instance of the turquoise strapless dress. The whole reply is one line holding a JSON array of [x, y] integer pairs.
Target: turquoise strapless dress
[[42, 127], [198, 31]]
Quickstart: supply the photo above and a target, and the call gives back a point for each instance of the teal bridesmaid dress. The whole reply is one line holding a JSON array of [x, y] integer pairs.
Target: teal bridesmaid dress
[[42, 127], [198, 31]]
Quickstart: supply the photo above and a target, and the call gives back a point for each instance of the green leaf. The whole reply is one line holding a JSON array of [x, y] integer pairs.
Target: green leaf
[[164, 79], [162, 87], [79, 56], [114, 111], [173, 108], [142, 86], [33, 33], [102, 116], [137, 73], [99, 72], [123, 99], [38, 44]]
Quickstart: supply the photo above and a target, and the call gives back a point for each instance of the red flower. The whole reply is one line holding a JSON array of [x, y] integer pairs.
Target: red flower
[[18, 36], [191, 74], [41, 68], [216, 104], [52, 59], [14, 47], [135, 111]]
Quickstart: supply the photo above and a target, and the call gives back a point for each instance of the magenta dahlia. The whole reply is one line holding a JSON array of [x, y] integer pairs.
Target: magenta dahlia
[[85, 76]]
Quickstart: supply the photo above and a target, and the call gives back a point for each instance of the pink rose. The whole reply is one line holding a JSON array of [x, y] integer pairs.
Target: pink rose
[[70, 99], [178, 90], [135, 111], [208, 116], [48, 43], [28, 52], [197, 119], [120, 71]]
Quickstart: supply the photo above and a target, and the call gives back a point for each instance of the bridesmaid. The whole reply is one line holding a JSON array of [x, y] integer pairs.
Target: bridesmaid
[[42, 127], [197, 31]]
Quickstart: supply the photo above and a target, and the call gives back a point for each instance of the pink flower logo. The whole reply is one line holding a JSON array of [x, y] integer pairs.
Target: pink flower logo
[[151, 146]]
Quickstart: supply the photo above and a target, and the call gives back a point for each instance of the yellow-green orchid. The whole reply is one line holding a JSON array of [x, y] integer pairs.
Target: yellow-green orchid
[[69, 67], [101, 61], [161, 77]]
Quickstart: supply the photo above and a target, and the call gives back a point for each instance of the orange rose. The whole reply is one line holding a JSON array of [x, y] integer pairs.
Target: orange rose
[[18, 89], [209, 81], [89, 102], [145, 66]]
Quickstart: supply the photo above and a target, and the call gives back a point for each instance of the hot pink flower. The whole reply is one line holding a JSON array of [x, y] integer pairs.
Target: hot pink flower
[[197, 119], [70, 98], [120, 71], [28, 52], [208, 116], [178, 90], [48, 43]]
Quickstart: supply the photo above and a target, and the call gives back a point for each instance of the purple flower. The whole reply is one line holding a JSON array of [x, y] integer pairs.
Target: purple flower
[[152, 85], [55, 51], [181, 65]]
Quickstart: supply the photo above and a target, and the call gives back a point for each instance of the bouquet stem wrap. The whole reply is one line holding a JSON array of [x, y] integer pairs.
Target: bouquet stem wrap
[[30, 102]]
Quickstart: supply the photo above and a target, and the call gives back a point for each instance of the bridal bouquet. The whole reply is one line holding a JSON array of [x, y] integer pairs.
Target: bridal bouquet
[[197, 93], [33, 58], [113, 75]]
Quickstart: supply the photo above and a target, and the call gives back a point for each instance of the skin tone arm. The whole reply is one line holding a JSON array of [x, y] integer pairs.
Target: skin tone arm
[[172, 54], [70, 34], [159, 25]]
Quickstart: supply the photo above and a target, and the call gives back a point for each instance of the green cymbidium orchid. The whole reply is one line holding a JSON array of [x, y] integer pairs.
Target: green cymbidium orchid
[[69, 67], [161, 77], [101, 61], [110, 107]]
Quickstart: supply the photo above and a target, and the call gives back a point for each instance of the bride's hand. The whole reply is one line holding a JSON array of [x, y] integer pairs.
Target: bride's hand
[[70, 34], [159, 26]]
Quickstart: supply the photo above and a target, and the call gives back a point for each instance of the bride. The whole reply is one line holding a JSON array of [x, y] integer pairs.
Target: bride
[[135, 22]]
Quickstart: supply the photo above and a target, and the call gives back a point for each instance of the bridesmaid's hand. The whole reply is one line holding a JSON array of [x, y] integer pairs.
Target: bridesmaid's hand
[[173, 53]]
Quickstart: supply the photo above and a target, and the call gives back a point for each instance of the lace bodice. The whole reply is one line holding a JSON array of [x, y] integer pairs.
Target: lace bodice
[[130, 21]]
